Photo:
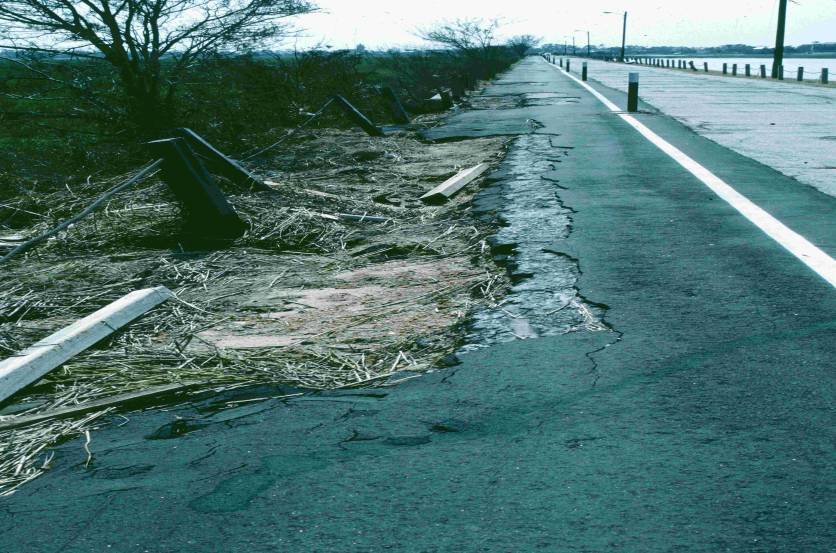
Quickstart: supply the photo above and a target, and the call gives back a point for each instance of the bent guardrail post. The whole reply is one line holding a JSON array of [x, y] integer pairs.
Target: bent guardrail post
[[357, 116], [395, 106], [220, 163], [208, 213]]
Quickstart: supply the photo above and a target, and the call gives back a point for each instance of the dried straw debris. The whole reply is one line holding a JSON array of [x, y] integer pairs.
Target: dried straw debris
[[305, 298]]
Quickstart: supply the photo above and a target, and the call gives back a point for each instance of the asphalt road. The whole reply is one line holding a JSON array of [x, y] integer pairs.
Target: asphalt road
[[783, 124], [699, 419]]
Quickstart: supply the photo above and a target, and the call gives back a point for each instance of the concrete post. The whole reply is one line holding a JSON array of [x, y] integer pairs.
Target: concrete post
[[705, 66], [568, 66], [763, 71], [824, 76], [748, 70], [725, 69], [561, 62], [633, 93], [800, 74], [583, 72], [734, 69]]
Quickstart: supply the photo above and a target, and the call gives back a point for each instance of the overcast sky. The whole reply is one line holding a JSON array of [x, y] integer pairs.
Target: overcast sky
[[392, 23]]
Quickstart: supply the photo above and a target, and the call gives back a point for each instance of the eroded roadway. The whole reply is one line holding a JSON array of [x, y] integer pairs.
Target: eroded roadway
[[702, 420]]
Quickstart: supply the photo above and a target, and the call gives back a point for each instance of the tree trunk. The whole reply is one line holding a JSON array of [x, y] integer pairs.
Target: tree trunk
[[147, 110]]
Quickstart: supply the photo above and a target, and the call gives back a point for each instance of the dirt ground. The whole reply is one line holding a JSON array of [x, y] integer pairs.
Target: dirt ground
[[308, 298]]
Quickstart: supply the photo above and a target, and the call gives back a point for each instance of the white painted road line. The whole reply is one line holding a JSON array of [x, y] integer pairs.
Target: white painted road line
[[800, 247]]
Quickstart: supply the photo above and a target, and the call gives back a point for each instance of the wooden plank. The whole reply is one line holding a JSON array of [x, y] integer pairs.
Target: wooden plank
[[120, 400], [11, 240], [363, 218], [33, 363], [448, 188]]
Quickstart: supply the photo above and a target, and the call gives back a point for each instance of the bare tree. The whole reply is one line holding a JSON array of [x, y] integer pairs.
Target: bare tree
[[464, 35], [149, 43], [521, 44]]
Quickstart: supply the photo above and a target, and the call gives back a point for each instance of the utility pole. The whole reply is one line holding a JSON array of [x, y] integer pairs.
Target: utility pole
[[573, 44], [588, 44], [778, 60], [624, 37]]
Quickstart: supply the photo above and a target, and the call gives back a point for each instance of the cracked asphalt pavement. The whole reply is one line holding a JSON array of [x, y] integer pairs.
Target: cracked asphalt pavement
[[699, 417]]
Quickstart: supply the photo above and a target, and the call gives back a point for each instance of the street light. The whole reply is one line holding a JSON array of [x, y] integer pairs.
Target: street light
[[623, 35], [588, 45]]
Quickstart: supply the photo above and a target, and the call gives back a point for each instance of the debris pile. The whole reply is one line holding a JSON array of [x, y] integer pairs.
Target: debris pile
[[342, 276]]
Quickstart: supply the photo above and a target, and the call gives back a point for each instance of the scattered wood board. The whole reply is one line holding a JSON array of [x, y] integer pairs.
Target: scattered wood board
[[33, 363], [114, 401], [451, 186]]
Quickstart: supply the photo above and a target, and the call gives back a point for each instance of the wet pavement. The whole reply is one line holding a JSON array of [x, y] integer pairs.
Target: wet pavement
[[686, 404], [543, 300], [784, 125]]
